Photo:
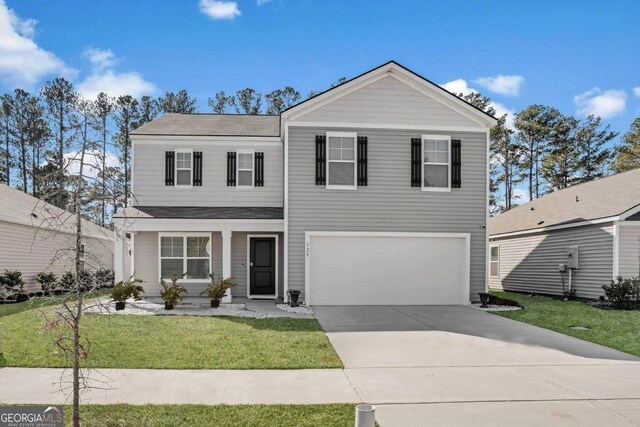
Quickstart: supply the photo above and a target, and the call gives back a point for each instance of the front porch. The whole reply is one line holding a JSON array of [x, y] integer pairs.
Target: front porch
[[249, 250]]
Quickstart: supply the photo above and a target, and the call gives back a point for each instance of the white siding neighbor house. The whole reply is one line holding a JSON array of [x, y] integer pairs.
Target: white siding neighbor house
[[373, 192], [36, 236], [579, 238]]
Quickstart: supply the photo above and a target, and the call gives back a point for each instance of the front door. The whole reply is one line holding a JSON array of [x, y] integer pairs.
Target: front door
[[262, 266]]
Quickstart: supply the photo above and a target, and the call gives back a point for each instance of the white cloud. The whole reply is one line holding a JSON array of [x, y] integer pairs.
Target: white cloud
[[22, 61], [104, 78], [504, 85], [461, 86], [520, 196], [92, 162], [220, 9], [604, 104], [636, 91]]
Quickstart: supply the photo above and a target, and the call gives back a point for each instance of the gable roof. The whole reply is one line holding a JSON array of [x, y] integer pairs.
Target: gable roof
[[394, 69], [18, 207], [608, 197], [212, 125]]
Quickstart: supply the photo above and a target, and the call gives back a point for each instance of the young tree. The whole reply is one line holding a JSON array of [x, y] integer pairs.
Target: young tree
[[60, 98], [179, 102], [6, 117], [534, 125], [594, 156], [103, 108], [127, 115], [249, 101], [281, 99], [221, 103], [627, 155]]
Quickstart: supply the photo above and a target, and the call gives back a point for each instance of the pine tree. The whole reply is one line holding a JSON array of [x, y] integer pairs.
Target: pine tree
[[628, 153], [103, 108], [594, 156], [560, 165], [6, 117], [248, 101], [281, 99], [179, 102], [127, 115], [221, 103]]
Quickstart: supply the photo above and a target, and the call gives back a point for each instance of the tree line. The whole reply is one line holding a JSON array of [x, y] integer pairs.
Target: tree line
[[42, 135]]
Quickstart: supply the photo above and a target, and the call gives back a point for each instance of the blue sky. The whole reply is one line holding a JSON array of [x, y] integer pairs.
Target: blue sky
[[579, 56]]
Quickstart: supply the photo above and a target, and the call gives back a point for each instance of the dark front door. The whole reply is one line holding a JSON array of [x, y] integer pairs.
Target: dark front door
[[262, 266]]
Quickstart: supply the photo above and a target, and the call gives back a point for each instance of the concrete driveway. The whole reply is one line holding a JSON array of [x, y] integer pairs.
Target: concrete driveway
[[454, 365]]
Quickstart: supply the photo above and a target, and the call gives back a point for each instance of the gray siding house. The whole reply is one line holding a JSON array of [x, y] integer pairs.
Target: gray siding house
[[37, 236], [373, 192], [579, 238]]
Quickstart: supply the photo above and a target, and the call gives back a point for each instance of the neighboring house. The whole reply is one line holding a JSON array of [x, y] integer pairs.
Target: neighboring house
[[373, 192], [593, 227], [36, 236]]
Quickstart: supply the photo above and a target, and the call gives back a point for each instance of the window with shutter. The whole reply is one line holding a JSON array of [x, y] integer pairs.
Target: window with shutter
[[259, 170], [436, 163], [456, 163], [245, 177], [197, 168], [362, 161], [321, 166], [341, 160], [169, 165], [416, 163], [231, 169]]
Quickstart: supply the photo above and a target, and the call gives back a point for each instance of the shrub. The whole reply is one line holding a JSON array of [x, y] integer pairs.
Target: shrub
[[174, 292], [622, 293], [12, 281], [48, 281], [217, 290], [104, 278], [68, 281], [86, 280], [124, 290]]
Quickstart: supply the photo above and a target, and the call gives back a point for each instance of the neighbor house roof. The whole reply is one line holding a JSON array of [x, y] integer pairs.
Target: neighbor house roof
[[19, 208], [603, 198], [198, 212], [212, 125]]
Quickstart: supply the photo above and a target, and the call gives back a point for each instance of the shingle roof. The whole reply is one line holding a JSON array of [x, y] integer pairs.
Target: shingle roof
[[602, 198], [21, 208], [212, 125], [197, 212]]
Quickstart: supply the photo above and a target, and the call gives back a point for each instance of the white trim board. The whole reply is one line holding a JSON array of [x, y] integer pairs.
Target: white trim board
[[354, 125], [195, 225], [269, 141], [275, 296], [309, 234]]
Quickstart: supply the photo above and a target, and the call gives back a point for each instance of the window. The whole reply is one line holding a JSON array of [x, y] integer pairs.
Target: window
[[494, 267], [436, 163], [245, 169], [190, 254], [183, 168], [341, 160]]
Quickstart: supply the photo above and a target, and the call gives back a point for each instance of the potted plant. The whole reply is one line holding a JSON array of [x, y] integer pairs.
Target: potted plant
[[293, 298], [217, 290], [172, 293], [122, 291]]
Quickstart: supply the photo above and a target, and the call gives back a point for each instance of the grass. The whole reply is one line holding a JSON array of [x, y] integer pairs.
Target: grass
[[41, 302], [169, 342], [618, 329]]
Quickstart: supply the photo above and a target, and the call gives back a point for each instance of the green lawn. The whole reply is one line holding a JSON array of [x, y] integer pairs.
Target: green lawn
[[169, 342], [617, 329], [334, 415]]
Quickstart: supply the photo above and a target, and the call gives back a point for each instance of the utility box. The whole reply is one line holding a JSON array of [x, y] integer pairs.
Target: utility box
[[572, 257], [562, 267]]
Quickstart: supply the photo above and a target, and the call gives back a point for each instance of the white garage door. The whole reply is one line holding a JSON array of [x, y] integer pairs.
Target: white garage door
[[387, 268]]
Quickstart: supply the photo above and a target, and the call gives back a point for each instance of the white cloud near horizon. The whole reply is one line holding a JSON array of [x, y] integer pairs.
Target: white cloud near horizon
[[508, 85], [22, 61], [104, 78], [605, 104], [92, 162], [636, 91], [461, 86], [217, 9]]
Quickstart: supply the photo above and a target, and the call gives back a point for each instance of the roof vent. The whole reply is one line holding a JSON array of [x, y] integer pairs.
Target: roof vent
[[540, 222], [34, 215], [577, 199], [531, 208]]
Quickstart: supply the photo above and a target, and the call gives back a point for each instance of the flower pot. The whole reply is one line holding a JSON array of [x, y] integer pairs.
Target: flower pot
[[484, 299], [215, 303], [119, 305], [168, 306], [293, 298]]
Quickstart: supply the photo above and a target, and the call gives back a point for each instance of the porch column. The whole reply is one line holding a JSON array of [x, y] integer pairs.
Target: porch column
[[226, 260], [118, 256]]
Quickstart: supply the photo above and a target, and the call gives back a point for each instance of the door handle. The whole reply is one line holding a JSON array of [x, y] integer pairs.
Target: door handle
[[251, 264]]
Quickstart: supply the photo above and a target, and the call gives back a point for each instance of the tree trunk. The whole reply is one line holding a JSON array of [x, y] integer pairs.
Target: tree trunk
[[104, 155], [60, 197], [8, 153]]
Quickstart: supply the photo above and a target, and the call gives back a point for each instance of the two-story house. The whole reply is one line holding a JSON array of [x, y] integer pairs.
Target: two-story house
[[372, 192]]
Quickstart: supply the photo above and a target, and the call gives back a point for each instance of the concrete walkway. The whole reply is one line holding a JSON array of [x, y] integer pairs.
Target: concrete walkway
[[455, 366]]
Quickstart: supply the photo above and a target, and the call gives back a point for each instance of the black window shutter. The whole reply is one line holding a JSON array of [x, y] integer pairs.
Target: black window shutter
[[321, 162], [169, 167], [362, 161], [197, 168], [456, 163], [416, 162], [231, 169], [259, 170]]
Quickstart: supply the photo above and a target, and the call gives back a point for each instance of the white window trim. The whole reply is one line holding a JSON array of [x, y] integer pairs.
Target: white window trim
[[176, 169], [353, 135], [448, 164], [184, 255], [253, 168], [497, 261]]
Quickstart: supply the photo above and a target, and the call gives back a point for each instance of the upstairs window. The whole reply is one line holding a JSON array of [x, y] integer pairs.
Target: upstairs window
[[436, 163], [245, 169], [341, 160], [184, 167]]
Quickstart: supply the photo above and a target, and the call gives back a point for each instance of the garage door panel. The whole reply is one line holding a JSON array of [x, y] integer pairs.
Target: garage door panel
[[387, 270]]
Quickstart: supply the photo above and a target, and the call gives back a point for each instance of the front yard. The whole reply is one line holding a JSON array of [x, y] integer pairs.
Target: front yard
[[618, 329], [176, 342]]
